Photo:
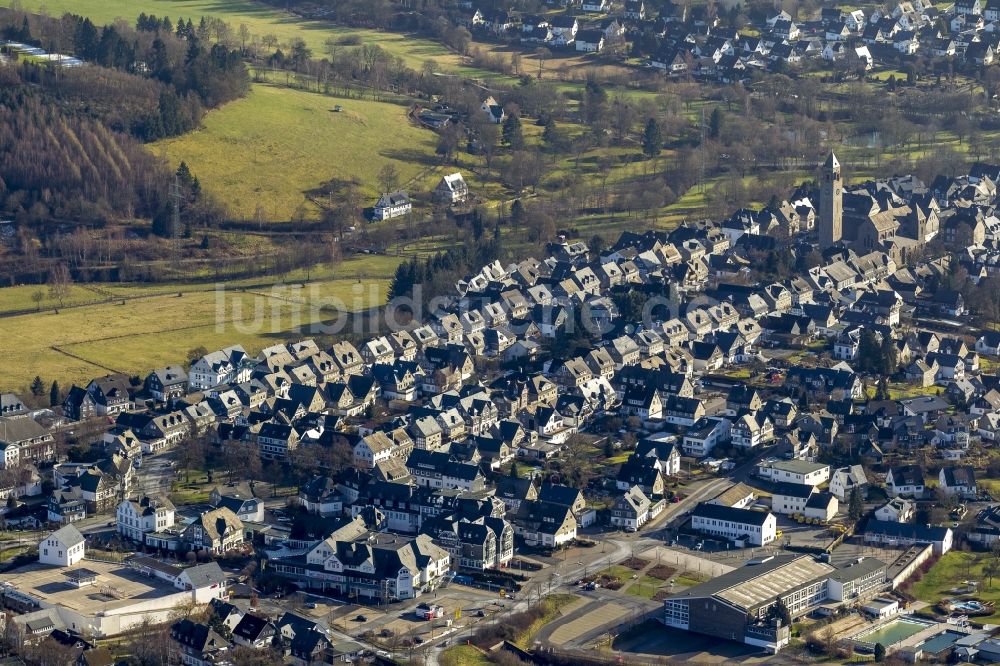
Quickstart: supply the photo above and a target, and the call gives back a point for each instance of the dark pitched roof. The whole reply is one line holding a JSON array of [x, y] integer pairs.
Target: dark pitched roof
[[917, 532], [717, 512], [907, 475], [959, 476], [799, 490], [251, 627], [557, 494]]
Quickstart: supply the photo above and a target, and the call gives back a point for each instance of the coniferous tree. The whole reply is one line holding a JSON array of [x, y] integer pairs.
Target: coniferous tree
[[37, 387], [55, 396], [652, 138], [512, 135], [856, 505], [715, 123], [516, 214]]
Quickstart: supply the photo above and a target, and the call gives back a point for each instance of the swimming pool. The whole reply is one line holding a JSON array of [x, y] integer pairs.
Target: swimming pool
[[969, 606], [940, 642], [893, 632]]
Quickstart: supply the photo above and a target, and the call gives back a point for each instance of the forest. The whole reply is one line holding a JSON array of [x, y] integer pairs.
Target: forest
[[71, 140]]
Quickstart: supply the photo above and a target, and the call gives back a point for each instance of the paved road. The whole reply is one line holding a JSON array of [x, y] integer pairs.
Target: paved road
[[157, 474]]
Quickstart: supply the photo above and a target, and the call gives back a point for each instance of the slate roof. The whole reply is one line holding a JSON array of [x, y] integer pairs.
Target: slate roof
[[205, 575], [68, 536], [719, 512]]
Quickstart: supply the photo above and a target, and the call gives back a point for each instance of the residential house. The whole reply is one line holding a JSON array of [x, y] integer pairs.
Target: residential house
[[633, 510], [958, 480], [136, 518], [896, 510], [196, 644], [254, 632], [229, 365], [844, 480], [905, 481], [217, 531], [545, 524], [391, 205], [62, 548], [166, 384]]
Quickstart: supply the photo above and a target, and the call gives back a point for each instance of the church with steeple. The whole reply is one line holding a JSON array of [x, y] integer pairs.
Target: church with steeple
[[831, 203], [874, 215]]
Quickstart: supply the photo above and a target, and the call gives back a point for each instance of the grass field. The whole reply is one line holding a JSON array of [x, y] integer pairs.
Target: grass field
[[260, 19], [136, 336], [464, 655], [952, 570], [646, 587], [363, 268], [276, 144]]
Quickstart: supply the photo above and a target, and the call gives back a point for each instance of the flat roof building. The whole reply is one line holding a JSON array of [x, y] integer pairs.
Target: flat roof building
[[106, 599], [739, 605]]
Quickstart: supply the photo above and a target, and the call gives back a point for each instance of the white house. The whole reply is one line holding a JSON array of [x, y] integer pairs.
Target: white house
[[137, 518], [790, 499], [392, 204], [452, 189], [738, 496], [822, 506], [227, 365], [633, 510], [988, 343], [795, 499], [844, 480], [959, 480], [907, 480], [247, 509], [896, 510], [796, 471], [63, 548], [704, 435], [745, 527], [665, 450], [750, 431], [589, 41], [493, 110], [373, 449]]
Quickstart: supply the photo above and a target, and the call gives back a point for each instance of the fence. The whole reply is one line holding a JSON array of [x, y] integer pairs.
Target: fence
[[553, 656]]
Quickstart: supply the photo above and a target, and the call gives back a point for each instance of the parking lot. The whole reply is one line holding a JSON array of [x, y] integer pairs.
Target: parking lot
[[722, 550], [796, 534], [388, 624]]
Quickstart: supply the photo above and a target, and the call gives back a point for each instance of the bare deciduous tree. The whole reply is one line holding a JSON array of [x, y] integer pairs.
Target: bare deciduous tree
[[60, 282]]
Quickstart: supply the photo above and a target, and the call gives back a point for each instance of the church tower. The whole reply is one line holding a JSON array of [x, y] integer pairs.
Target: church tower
[[831, 205]]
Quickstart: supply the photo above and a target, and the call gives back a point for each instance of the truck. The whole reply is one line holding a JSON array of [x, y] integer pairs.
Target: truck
[[427, 611]]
